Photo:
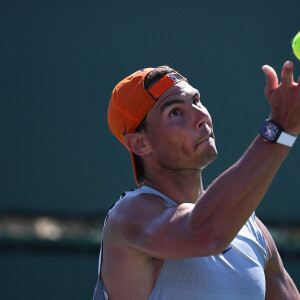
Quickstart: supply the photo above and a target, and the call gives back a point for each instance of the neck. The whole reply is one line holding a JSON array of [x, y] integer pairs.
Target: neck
[[180, 186]]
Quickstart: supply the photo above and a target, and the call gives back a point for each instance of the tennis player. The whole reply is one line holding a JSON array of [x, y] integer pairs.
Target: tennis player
[[169, 239]]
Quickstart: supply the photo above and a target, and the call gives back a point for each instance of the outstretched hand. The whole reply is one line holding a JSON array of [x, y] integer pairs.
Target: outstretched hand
[[284, 97]]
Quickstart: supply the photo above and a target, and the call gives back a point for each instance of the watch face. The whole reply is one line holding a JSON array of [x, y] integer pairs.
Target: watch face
[[270, 131]]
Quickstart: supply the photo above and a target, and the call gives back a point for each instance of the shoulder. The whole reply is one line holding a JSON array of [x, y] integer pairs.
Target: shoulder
[[130, 213], [134, 204], [146, 222]]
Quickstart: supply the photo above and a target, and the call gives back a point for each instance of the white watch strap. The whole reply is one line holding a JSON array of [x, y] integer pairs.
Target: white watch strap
[[286, 139]]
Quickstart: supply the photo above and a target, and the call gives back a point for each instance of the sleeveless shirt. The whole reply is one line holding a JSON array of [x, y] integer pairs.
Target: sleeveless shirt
[[236, 274]]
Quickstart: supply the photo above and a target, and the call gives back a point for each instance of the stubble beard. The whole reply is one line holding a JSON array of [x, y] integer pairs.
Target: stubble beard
[[195, 164], [208, 157]]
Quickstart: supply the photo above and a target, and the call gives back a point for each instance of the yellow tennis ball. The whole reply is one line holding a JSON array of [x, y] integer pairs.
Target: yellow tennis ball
[[296, 45]]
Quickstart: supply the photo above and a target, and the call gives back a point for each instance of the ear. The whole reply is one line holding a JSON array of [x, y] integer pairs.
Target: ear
[[137, 143]]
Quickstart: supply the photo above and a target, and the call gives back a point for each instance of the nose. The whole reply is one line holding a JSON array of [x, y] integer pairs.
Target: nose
[[200, 116]]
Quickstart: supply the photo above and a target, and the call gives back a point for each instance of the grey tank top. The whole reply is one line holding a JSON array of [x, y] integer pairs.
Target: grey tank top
[[236, 274]]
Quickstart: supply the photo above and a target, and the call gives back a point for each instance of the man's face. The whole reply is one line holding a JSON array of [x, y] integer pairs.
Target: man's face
[[179, 129]]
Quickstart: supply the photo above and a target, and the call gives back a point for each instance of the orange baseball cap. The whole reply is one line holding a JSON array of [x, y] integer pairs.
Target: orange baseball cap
[[130, 103]]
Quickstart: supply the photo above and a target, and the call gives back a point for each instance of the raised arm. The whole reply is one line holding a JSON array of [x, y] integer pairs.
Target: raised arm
[[231, 199]]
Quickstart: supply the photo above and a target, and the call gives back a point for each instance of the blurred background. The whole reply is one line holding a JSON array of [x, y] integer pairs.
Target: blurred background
[[60, 167]]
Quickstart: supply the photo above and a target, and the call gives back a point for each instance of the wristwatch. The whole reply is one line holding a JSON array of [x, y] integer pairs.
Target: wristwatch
[[273, 133]]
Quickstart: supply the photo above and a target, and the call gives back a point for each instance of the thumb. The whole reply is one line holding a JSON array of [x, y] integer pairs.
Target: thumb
[[271, 79]]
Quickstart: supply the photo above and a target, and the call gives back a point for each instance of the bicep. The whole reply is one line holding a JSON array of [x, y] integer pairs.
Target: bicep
[[279, 284], [168, 234], [159, 230]]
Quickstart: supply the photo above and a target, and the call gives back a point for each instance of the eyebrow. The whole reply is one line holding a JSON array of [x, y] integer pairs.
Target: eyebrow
[[169, 103], [176, 101]]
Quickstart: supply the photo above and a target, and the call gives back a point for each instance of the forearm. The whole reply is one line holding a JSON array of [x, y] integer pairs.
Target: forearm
[[235, 194]]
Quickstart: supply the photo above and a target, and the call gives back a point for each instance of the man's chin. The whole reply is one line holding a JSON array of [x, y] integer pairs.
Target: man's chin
[[209, 157]]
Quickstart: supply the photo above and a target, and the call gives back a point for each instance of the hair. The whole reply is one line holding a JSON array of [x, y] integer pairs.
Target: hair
[[151, 78]]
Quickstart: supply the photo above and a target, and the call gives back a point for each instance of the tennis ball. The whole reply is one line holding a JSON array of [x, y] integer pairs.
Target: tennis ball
[[296, 45]]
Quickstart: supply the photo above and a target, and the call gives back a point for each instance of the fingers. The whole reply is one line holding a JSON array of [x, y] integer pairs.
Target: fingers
[[287, 74], [271, 79]]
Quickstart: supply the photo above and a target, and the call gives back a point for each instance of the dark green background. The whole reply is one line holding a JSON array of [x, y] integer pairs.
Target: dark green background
[[59, 63]]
